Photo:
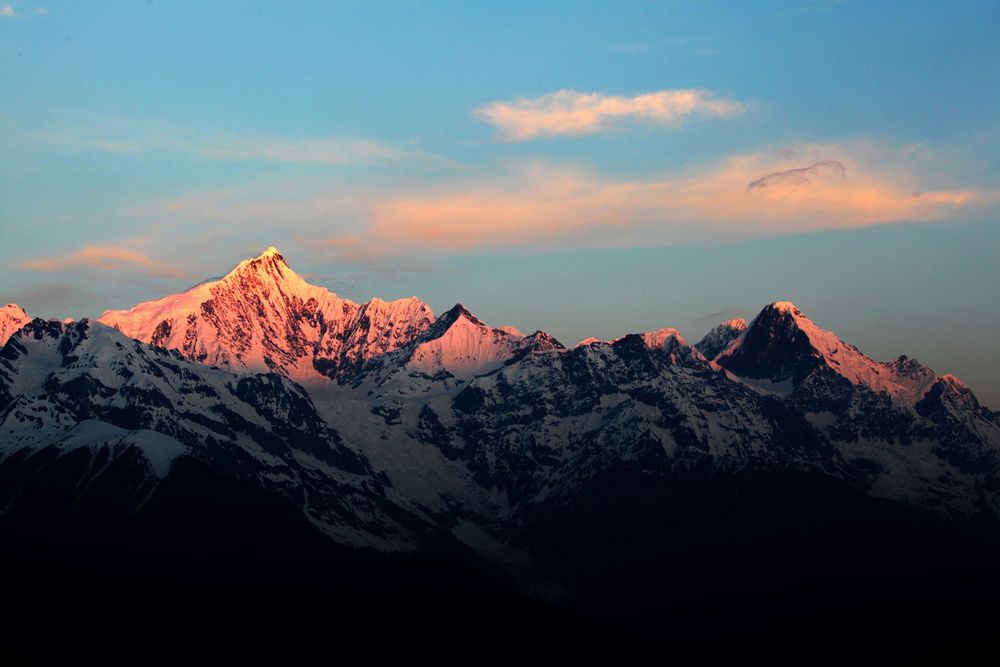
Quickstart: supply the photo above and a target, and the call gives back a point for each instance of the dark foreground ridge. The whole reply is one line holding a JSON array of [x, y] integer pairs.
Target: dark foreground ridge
[[742, 558]]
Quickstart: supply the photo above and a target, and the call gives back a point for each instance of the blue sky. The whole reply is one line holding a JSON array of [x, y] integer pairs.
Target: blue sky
[[584, 168]]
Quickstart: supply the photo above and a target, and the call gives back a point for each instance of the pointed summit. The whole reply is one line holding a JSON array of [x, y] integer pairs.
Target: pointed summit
[[462, 344], [270, 257], [782, 345], [266, 270], [271, 254], [541, 341], [774, 346], [457, 312], [785, 307]]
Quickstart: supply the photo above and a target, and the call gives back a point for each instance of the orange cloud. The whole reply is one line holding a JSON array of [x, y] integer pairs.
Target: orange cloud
[[568, 112], [551, 205], [103, 257]]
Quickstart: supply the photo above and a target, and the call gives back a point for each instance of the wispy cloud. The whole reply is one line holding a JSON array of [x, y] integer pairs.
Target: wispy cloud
[[105, 258], [7, 11], [568, 112]]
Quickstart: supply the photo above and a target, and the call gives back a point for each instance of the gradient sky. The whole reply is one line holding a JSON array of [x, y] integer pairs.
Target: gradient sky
[[585, 168]]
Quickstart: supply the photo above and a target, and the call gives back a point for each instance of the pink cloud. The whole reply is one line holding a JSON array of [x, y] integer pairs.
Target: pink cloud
[[568, 112]]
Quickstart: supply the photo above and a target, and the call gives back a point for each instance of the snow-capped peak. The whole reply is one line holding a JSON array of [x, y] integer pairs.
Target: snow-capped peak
[[270, 254], [12, 318], [541, 341], [263, 316], [266, 269], [782, 344], [665, 338], [719, 338], [785, 307], [672, 343], [461, 343], [459, 312]]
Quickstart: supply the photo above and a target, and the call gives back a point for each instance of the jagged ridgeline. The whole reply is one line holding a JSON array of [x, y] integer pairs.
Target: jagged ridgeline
[[613, 475]]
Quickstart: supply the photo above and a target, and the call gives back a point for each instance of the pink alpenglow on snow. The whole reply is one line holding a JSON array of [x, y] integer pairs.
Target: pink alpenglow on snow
[[262, 316], [12, 318], [466, 345]]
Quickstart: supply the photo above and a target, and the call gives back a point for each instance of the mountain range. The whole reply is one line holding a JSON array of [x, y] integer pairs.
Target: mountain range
[[587, 476]]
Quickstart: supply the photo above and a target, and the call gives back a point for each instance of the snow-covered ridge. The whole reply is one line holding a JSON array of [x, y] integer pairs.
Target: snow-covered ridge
[[262, 316], [666, 339]]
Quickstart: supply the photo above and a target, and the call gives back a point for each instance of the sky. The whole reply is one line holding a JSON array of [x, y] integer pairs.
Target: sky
[[586, 168]]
